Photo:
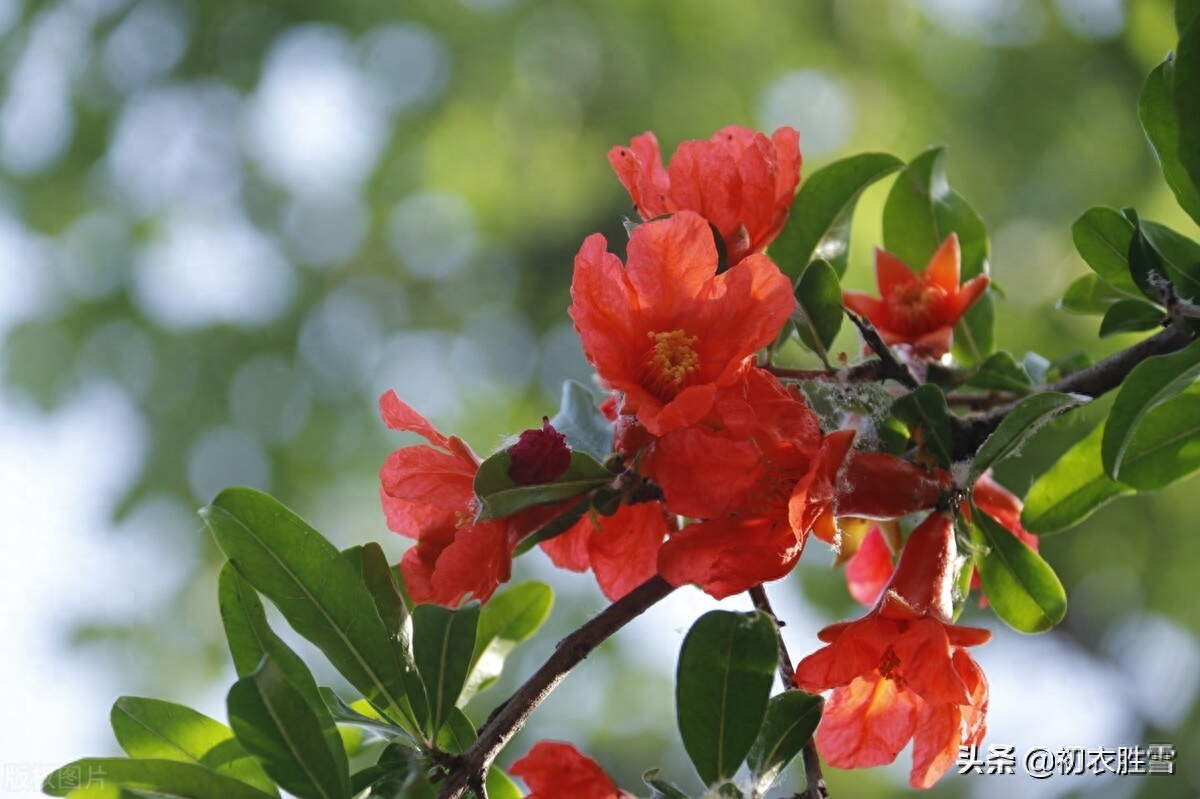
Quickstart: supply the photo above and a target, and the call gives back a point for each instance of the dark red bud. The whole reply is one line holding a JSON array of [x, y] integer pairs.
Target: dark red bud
[[539, 456]]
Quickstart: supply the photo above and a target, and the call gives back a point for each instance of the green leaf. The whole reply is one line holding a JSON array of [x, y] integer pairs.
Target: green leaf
[[1131, 316], [818, 314], [1020, 586], [922, 211], [500, 786], [169, 777], [975, 332], [1102, 236], [457, 734], [505, 621], [251, 638], [1150, 383], [499, 496], [1179, 258], [1001, 372], [926, 408], [584, 425], [1166, 445], [1024, 420], [726, 667], [297, 742], [314, 587], [1073, 488], [365, 718], [155, 729], [1089, 294], [1156, 109], [443, 642], [818, 225], [1186, 93], [662, 788], [791, 720]]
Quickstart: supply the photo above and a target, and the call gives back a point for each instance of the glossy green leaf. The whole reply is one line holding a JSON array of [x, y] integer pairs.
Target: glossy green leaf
[[817, 226], [1186, 91], [1001, 372], [1089, 294], [1021, 587], [1023, 421], [791, 720], [1165, 447], [169, 777], [506, 620], [251, 638], [499, 496], [1179, 255], [155, 729], [363, 717], [457, 733], [1102, 236], [500, 786], [1131, 316], [314, 587], [922, 211], [925, 408], [443, 642], [975, 332], [297, 742], [726, 666], [1150, 383], [818, 315], [1156, 109], [660, 787], [1073, 488], [584, 425]]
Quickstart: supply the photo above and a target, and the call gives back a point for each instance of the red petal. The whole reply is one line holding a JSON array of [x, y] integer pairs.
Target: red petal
[[865, 305], [971, 291], [705, 179], [398, 415], [425, 475], [891, 273], [570, 550], [875, 485], [703, 475], [855, 651], [729, 555], [624, 548], [668, 262], [943, 269], [869, 570], [474, 564], [603, 309], [935, 744], [554, 770], [924, 652], [866, 723]]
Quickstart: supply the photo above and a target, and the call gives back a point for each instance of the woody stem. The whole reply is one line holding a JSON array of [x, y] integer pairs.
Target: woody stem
[[511, 716], [787, 674]]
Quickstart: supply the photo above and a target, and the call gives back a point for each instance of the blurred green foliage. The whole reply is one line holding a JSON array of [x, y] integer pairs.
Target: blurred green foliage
[[256, 216]]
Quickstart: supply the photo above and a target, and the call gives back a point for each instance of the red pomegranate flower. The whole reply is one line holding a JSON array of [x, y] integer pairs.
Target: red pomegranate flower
[[739, 180], [666, 330], [555, 770], [919, 310], [902, 671]]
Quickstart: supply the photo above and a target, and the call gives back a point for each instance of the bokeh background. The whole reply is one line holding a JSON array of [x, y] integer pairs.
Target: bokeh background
[[227, 226]]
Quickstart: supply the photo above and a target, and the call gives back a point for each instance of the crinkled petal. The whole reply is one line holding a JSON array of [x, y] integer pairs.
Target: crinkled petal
[[703, 475], [866, 723], [399, 415], [668, 262], [924, 651], [570, 549], [475, 563], [555, 770], [704, 178], [623, 549], [426, 475], [729, 555], [935, 744], [855, 649], [891, 273]]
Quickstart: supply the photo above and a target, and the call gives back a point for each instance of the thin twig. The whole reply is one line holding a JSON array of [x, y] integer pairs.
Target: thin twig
[[1097, 379], [787, 673], [511, 717], [889, 366]]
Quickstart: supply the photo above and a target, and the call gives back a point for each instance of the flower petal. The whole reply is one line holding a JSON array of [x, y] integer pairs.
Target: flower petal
[[623, 548], [729, 555], [943, 269], [866, 723], [869, 570], [555, 770], [891, 273]]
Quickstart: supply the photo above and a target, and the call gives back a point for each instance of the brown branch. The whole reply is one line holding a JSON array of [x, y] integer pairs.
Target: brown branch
[[1094, 381], [787, 673], [860, 373], [507, 721]]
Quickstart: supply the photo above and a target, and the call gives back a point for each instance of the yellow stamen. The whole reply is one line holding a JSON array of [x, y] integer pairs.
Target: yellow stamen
[[672, 358]]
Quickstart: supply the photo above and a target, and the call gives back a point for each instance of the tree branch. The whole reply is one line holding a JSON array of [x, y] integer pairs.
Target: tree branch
[[510, 717], [889, 367], [787, 674], [1094, 381]]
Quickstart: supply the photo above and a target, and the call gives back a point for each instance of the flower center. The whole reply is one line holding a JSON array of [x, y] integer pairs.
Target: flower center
[[672, 358], [914, 306], [889, 666]]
